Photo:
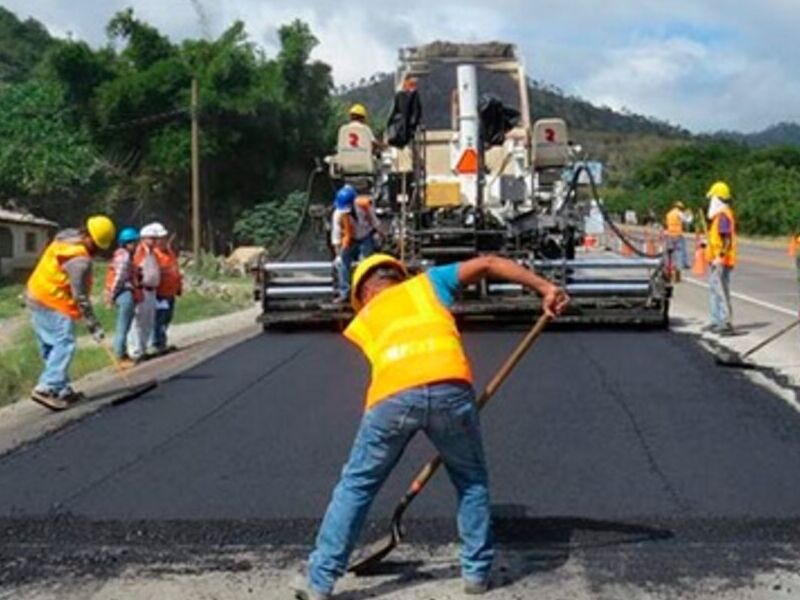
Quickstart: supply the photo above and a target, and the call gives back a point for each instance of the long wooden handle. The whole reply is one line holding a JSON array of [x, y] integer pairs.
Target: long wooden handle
[[772, 338], [428, 471]]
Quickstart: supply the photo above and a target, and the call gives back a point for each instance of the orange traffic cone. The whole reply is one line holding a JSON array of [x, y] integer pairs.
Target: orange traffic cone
[[650, 245], [699, 267], [626, 249], [792, 250]]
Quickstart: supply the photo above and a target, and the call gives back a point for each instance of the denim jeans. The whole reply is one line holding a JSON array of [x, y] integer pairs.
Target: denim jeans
[[719, 282], [359, 250], [56, 335], [125, 307], [447, 413], [679, 254], [163, 318]]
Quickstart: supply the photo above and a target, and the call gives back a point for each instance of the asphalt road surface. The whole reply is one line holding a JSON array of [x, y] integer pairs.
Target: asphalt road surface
[[609, 433], [623, 464]]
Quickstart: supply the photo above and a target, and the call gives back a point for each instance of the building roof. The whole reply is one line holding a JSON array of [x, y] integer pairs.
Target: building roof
[[11, 216]]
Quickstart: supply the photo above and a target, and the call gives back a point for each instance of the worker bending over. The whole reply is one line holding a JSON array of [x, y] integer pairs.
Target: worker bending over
[[421, 381], [675, 221], [122, 291], [721, 254], [58, 294]]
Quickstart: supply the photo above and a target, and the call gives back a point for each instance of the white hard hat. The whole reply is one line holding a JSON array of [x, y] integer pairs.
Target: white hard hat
[[153, 230]]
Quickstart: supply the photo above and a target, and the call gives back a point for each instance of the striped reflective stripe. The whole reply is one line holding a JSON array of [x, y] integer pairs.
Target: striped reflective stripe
[[393, 354]]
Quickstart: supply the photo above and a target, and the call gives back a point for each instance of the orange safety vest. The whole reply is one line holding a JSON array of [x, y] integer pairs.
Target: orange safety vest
[[171, 282], [410, 339], [715, 241], [348, 229], [133, 276], [49, 284], [675, 222]]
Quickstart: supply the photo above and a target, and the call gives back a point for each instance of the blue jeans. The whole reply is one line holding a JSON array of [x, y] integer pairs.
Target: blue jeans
[[719, 282], [125, 307], [679, 255], [56, 335], [447, 413], [163, 319], [359, 250]]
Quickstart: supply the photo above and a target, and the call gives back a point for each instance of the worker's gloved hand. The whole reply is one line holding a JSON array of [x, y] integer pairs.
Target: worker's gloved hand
[[717, 262]]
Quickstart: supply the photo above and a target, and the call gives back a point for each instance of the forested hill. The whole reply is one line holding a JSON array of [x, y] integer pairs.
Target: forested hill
[[23, 44], [546, 101]]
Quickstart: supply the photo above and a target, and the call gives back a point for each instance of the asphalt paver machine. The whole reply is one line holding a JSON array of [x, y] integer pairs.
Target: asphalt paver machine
[[467, 173]]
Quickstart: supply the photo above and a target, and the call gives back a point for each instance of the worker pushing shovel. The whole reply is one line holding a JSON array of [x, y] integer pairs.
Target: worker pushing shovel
[[421, 380]]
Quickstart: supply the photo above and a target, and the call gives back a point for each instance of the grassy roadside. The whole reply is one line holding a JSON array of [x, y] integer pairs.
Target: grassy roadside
[[20, 363]]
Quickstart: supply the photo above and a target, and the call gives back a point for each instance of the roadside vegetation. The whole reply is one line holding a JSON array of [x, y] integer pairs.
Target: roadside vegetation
[[765, 183]]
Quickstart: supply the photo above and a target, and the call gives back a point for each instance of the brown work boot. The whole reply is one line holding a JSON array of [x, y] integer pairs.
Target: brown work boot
[[50, 399]]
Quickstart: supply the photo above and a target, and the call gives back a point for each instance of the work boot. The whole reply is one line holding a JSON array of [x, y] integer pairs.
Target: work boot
[[126, 363], [303, 591], [476, 588], [726, 330], [49, 399], [70, 396]]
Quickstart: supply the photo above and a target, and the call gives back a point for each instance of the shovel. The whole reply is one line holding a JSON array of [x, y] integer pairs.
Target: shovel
[[380, 549], [735, 361]]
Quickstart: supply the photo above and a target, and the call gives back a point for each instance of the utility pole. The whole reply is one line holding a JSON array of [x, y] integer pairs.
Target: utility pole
[[195, 171]]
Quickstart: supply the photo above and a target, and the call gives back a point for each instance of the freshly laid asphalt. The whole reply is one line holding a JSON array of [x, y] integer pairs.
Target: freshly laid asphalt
[[635, 426]]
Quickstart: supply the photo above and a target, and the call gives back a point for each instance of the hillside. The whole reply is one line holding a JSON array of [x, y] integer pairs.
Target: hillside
[[23, 44], [546, 101], [782, 134]]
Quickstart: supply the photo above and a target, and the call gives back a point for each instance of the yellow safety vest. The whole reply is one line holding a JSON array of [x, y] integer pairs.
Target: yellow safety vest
[[675, 222], [49, 283], [715, 241], [409, 338]]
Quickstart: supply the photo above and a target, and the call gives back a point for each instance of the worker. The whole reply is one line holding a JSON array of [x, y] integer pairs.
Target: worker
[[368, 226], [421, 380], [343, 237], [149, 275], [58, 294], [359, 134], [721, 255], [675, 221], [170, 286], [122, 291]]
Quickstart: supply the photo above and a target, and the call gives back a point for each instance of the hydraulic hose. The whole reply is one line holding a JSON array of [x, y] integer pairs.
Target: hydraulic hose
[[292, 240], [572, 193]]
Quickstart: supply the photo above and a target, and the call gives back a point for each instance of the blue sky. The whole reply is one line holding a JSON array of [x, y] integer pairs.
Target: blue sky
[[703, 64]]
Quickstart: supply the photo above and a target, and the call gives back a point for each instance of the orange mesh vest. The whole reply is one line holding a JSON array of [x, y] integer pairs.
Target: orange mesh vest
[[49, 283], [410, 339], [169, 285], [674, 222], [715, 242]]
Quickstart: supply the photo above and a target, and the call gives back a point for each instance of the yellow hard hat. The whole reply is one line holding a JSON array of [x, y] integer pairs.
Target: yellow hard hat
[[358, 110], [102, 231], [364, 268], [721, 190]]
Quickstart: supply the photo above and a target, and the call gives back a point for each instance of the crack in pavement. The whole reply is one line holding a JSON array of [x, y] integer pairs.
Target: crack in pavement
[[225, 404], [616, 394]]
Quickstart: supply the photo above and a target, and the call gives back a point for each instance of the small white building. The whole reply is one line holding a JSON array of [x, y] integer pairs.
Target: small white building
[[22, 239]]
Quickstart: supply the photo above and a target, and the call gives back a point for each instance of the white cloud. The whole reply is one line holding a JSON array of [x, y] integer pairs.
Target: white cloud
[[705, 65]]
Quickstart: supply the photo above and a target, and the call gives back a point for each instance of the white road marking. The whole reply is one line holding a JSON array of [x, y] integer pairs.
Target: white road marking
[[746, 298]]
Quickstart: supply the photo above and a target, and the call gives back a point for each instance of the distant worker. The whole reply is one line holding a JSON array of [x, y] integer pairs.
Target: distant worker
[[170, 286], [122, 291], [58, 294], [675, 221], [421, 381], [357, 134], [721, 254], [149, 274], [368, 226], [343, 237]]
